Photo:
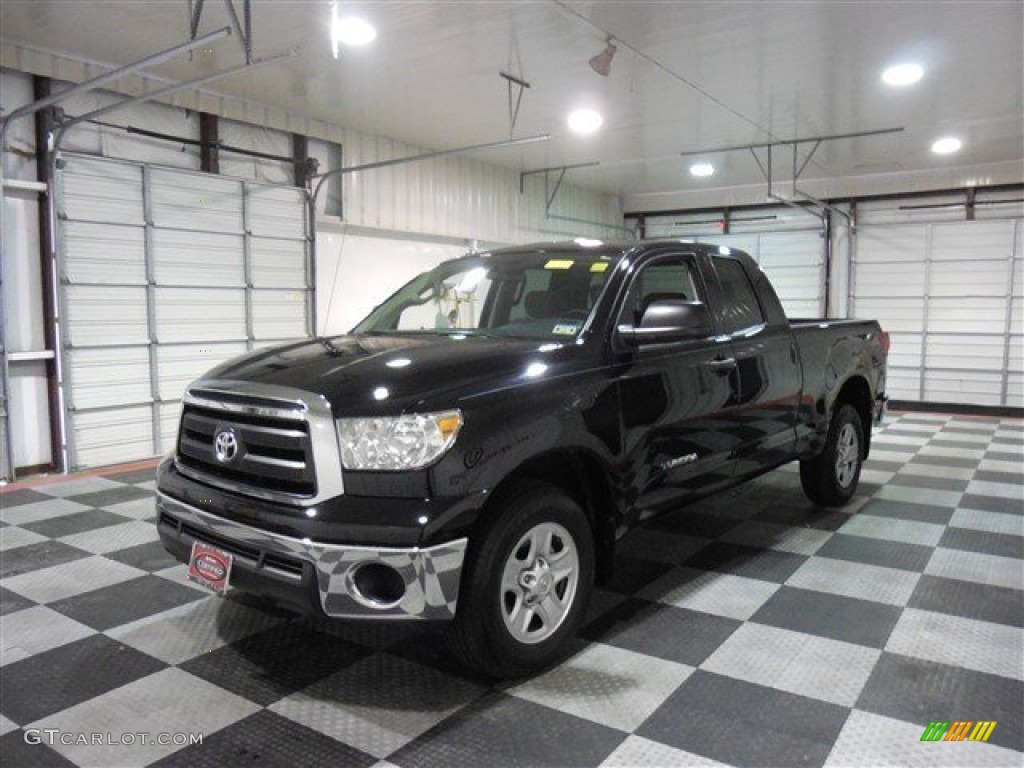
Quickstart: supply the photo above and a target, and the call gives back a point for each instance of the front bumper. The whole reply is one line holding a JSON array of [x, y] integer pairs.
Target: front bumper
[[314, 577]]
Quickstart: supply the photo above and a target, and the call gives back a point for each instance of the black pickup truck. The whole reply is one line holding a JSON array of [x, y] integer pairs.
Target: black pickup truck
[[473, 450]]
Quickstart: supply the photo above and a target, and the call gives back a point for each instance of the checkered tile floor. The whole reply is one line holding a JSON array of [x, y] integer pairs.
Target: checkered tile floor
[[749, 629]]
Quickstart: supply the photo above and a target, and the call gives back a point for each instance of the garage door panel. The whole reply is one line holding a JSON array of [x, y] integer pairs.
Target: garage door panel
[[109, 376], [278, 314], [1015, 390], [959, 387], [905, 349], [969, 315], [791, 249], [198, 258], [181, 364], [890, 245], [746, 243], [897, 279], [271, 211], [278, 263], [207, 237], [1017, 315], [112, 436], [809, 309], [197, 202], [103, 253], [974, 278], [972, 241], [106, 316], [968, 353], [101, 191], [903, 383], [200, 315], [795, 283], [895, 315]]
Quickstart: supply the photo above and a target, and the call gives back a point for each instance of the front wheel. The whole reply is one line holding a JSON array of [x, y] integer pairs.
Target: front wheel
[[527, 583], [830, 479]]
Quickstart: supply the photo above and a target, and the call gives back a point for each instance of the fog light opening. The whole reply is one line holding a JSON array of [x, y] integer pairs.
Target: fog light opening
[[377, 585]]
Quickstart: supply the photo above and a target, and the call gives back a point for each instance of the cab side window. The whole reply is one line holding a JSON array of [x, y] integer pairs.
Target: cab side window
[[741, 309], [665, 279]]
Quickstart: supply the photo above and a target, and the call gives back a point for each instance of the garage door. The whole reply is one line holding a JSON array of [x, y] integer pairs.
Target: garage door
[[164, 274], [943, 289], [788, 245]]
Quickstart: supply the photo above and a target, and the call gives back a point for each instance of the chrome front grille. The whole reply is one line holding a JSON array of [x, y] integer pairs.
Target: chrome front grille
[[272, 454], [259, 440]]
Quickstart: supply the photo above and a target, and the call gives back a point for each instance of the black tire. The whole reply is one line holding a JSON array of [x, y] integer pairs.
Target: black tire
[[497, 629], [830, 479]]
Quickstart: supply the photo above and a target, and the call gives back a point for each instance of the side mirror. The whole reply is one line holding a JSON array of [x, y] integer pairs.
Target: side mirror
[[668, 320]]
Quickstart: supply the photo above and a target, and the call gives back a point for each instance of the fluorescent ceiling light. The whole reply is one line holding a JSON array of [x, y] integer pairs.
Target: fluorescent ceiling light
[[585, 121], [702, 170], [947, 145], [902, 74], [350, 30]]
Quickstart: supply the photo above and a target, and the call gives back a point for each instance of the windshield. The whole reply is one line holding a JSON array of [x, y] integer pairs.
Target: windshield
[[531, 295]]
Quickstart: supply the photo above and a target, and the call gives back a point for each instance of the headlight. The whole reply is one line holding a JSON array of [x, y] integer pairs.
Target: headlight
[[411, 441]]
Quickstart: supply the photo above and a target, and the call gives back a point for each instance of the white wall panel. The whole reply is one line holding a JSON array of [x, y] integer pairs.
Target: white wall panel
[[200, 315], [109, 376], [104, 253], [463, 197], [357, 272], [30, 423]]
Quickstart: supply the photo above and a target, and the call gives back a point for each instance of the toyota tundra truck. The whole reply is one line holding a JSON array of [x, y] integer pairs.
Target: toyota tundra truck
[[473, 450]]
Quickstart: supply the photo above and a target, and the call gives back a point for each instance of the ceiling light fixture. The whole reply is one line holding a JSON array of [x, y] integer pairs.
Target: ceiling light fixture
[[602, 63], [947, 145], [702, 170], [350, 30], [585, 121], [902, 74]]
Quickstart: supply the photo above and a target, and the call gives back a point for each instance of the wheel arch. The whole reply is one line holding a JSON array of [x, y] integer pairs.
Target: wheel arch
[[856, 392], [583, 477]]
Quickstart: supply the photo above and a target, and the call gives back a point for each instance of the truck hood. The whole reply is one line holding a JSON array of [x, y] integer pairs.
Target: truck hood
[[387, 374]]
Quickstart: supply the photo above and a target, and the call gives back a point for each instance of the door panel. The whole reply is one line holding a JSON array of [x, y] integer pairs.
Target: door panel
[[767, 380], [672, 395]]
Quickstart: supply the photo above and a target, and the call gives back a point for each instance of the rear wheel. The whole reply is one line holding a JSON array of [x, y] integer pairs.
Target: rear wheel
[[830, 479], [527, 583]]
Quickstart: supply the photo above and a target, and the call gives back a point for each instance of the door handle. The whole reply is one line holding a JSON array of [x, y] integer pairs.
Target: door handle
[[722, 365]]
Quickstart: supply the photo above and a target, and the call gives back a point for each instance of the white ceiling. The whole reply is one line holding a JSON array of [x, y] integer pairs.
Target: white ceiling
[[687, 76]]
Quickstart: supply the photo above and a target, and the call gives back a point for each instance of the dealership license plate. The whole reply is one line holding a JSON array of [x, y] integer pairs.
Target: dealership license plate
[[210, 567]]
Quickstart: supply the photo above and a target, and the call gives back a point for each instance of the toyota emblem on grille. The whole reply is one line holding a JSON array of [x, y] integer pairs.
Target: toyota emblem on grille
[[225, 446]]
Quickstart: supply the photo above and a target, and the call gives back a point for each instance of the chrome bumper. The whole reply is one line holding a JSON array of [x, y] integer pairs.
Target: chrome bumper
[[431, 575]]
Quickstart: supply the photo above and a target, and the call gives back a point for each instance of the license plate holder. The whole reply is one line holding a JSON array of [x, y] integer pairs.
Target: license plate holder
[[210, 567]]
